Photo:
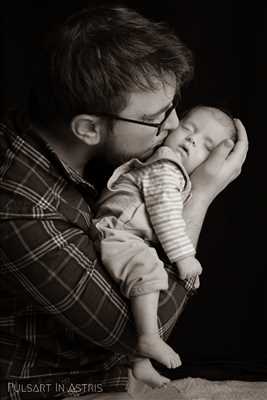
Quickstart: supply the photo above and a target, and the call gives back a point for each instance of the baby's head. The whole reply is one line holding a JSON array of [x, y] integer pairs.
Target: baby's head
[[198, 133]]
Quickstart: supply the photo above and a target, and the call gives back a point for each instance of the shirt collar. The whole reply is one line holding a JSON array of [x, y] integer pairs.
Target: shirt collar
[[22, 124]]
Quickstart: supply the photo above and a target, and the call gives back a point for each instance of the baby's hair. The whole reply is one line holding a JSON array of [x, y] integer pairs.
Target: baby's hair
[[222, 114]]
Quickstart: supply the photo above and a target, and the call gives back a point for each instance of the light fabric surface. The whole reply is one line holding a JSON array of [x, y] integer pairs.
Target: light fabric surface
[[195, 389], [202, 389]]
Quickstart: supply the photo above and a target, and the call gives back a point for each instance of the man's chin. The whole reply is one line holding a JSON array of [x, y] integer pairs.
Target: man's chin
[[148, 153]]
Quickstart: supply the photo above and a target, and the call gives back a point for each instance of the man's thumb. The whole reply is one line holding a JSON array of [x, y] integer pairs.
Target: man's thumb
[[221, 152], [228, 143]]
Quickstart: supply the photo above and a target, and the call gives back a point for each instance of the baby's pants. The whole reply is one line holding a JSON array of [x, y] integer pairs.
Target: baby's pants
[[132, 262]]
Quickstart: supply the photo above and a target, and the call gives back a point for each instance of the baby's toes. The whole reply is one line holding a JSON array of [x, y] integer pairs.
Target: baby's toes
[[164, 381], [179, 362], [173, 363]]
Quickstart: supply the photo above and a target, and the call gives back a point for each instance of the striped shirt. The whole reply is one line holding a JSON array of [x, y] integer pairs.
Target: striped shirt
[[63, 321], [162, 184]]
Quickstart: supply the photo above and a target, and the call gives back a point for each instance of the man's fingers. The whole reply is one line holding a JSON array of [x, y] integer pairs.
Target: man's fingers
[[220, 154], [241, 146], [235, 154], [239, 153], [241, 130]]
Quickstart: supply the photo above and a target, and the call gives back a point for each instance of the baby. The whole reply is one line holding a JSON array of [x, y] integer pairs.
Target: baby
[[143, 206]]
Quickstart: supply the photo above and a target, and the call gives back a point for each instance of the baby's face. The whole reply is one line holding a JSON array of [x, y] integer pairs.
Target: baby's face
[[198, 133]]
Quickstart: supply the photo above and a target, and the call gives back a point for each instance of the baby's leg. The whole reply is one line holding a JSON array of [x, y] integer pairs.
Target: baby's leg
[[144, 371], [149, 343]]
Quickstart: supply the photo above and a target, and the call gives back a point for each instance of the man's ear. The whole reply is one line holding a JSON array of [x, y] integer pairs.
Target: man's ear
[[86, 128]]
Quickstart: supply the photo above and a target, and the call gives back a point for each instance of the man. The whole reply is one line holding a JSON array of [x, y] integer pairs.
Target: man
[[106, 92]]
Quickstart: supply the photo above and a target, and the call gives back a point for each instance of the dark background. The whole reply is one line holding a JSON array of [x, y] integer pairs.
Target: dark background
[[223, 332]]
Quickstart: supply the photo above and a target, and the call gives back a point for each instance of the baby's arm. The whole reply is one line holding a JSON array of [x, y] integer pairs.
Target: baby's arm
[[162, 190]]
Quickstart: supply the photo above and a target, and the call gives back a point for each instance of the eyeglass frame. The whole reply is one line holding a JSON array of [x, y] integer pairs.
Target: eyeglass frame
[[152, 124]]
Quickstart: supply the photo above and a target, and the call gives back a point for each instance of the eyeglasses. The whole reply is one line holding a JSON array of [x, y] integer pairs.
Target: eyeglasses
[[157, 125]]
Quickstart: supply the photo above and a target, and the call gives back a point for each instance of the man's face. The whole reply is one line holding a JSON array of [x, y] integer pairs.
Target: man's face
[[129, 140], [197, 135]]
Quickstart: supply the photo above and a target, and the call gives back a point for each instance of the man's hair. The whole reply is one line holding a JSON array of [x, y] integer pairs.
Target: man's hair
[[99, 55]]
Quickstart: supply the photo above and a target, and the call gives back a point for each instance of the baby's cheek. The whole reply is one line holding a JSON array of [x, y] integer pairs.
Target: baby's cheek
[[203, 155]]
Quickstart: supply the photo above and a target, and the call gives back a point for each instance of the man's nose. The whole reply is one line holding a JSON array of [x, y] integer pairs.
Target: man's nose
[[172, 121]]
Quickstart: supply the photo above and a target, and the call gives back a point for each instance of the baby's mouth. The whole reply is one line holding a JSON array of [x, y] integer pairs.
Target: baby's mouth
[[185, 149]]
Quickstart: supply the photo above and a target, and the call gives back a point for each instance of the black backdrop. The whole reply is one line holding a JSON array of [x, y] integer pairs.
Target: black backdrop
[[223, 332]]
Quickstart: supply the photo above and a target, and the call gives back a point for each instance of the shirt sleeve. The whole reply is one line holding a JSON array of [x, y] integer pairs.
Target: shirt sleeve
[[162, 189], [56, 269]]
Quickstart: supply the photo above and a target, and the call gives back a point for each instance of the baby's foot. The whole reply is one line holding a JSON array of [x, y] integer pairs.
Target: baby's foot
[[144, 371], [152, 346]]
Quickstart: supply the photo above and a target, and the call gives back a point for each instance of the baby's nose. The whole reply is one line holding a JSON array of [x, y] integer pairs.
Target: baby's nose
[[191, 140]]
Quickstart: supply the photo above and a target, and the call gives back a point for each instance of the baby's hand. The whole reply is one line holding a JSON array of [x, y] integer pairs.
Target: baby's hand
[[188, 267]]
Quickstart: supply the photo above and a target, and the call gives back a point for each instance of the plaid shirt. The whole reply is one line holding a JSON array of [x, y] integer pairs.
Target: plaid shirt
[[64, 326]]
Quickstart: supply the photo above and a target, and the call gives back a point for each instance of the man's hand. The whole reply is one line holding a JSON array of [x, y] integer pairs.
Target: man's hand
[[222, 167]]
